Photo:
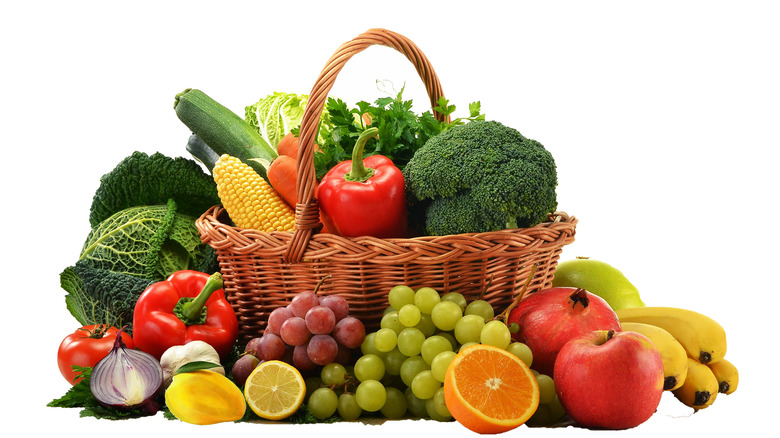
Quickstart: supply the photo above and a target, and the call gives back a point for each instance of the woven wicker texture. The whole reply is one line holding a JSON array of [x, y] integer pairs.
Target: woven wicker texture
[[263, 271]]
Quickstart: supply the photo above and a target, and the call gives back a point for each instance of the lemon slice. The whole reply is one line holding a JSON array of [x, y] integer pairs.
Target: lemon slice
[[274, 390]]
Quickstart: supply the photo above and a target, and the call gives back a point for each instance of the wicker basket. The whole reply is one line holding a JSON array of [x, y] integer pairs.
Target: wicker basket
[[263, 271]]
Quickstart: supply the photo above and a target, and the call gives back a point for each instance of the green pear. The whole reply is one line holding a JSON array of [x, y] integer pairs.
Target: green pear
[[598, 278]]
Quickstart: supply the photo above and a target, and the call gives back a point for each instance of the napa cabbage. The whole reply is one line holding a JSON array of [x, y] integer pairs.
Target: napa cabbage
[[277, 114]]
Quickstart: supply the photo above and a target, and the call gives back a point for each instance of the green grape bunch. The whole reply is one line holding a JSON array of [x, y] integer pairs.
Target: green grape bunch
[[403, 363]]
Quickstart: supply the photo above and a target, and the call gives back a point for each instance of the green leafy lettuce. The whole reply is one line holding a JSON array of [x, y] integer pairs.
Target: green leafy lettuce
[[276, 115]]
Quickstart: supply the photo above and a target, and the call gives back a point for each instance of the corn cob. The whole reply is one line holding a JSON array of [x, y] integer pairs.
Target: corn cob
[[248, 198]]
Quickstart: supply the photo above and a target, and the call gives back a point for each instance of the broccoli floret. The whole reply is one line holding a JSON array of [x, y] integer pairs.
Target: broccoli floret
[[481, 176]]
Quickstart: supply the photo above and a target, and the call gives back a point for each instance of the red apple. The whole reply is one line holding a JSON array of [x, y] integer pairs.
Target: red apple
[[608, 379]]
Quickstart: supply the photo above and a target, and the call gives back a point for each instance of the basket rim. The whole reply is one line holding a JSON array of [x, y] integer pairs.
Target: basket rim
[[217, 232]]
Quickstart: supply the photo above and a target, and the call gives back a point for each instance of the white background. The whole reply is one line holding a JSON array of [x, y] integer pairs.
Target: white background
[[662, 117]]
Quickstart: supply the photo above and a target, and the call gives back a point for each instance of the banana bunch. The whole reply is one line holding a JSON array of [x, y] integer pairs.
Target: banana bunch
[[693, 349]]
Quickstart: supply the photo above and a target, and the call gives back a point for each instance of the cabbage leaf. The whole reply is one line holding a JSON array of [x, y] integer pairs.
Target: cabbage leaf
[[143, 229], [277, 114], [145, 241], [142, 179], [97, 296]]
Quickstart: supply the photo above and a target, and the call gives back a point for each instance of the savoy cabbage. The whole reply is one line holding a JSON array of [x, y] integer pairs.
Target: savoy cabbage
[[139, 235], [101, 296], [142, 179]]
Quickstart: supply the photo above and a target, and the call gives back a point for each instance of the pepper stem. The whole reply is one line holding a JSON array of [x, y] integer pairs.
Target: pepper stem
[[359, 171], [193, 311]]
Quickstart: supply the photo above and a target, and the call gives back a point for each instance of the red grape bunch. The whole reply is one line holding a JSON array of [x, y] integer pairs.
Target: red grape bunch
[[310, 331]]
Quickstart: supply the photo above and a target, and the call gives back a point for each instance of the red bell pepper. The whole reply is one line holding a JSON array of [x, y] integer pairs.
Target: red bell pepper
[[364, 196], [188, 306]]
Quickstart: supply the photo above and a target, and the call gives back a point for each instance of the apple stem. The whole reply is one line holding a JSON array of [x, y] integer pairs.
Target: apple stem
[[610, 334], [504, 316]]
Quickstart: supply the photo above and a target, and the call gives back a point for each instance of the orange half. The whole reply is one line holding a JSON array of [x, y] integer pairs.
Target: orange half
[[489, 390]]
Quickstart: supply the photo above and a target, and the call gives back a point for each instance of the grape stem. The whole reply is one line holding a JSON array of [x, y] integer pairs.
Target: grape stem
[[485, 289], [504, 316], [319, 283], [348, 386]]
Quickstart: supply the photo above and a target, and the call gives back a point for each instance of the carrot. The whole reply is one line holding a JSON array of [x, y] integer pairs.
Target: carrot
[[282, 175], [288, 146]]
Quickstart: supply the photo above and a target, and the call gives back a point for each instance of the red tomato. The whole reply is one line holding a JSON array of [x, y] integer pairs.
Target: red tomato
[[86, 347]]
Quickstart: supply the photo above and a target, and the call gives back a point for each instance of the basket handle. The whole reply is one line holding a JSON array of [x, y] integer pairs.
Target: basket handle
[[307, 211]]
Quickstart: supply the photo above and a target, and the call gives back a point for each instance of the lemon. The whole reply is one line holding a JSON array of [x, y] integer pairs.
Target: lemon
[[274, 390], [598, 278]]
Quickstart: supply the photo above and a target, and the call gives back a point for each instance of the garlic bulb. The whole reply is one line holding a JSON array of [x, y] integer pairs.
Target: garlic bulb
[[193, 351]]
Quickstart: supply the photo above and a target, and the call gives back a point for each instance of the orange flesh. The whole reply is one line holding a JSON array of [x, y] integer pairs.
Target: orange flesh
[[491, 390], [492, 384]]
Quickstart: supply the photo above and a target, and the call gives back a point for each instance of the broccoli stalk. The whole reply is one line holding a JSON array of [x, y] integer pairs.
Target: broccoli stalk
[[478, 177]]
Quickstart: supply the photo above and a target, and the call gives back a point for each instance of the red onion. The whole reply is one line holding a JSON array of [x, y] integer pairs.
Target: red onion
[[127, 379]]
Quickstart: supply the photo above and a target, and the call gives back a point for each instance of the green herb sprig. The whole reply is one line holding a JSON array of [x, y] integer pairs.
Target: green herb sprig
[[401, 131], [80, 396]]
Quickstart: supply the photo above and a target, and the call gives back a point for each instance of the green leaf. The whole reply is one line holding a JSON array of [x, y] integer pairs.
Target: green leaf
[[474, 109], [141, 179], [195, 366], [383, 101], [401, 131], [443, 106], [78, 395], [276, 115], [98, 296], [150, 242]]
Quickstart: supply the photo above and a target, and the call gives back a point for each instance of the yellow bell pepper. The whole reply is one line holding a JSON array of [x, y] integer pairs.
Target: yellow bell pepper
[[204, 397]]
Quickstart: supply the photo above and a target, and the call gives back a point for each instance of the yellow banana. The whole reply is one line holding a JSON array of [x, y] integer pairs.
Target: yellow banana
[[673, 354], [700, 387], [701, 336], [726, 374]]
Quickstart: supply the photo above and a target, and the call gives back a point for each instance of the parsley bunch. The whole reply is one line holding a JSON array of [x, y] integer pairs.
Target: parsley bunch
[[401, 131]]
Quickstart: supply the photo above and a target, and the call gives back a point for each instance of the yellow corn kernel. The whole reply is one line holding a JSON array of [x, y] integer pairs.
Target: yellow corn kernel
[[248, 198]]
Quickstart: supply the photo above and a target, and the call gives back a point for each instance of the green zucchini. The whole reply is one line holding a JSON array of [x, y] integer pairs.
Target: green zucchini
[[222, 130], [202, 152]]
